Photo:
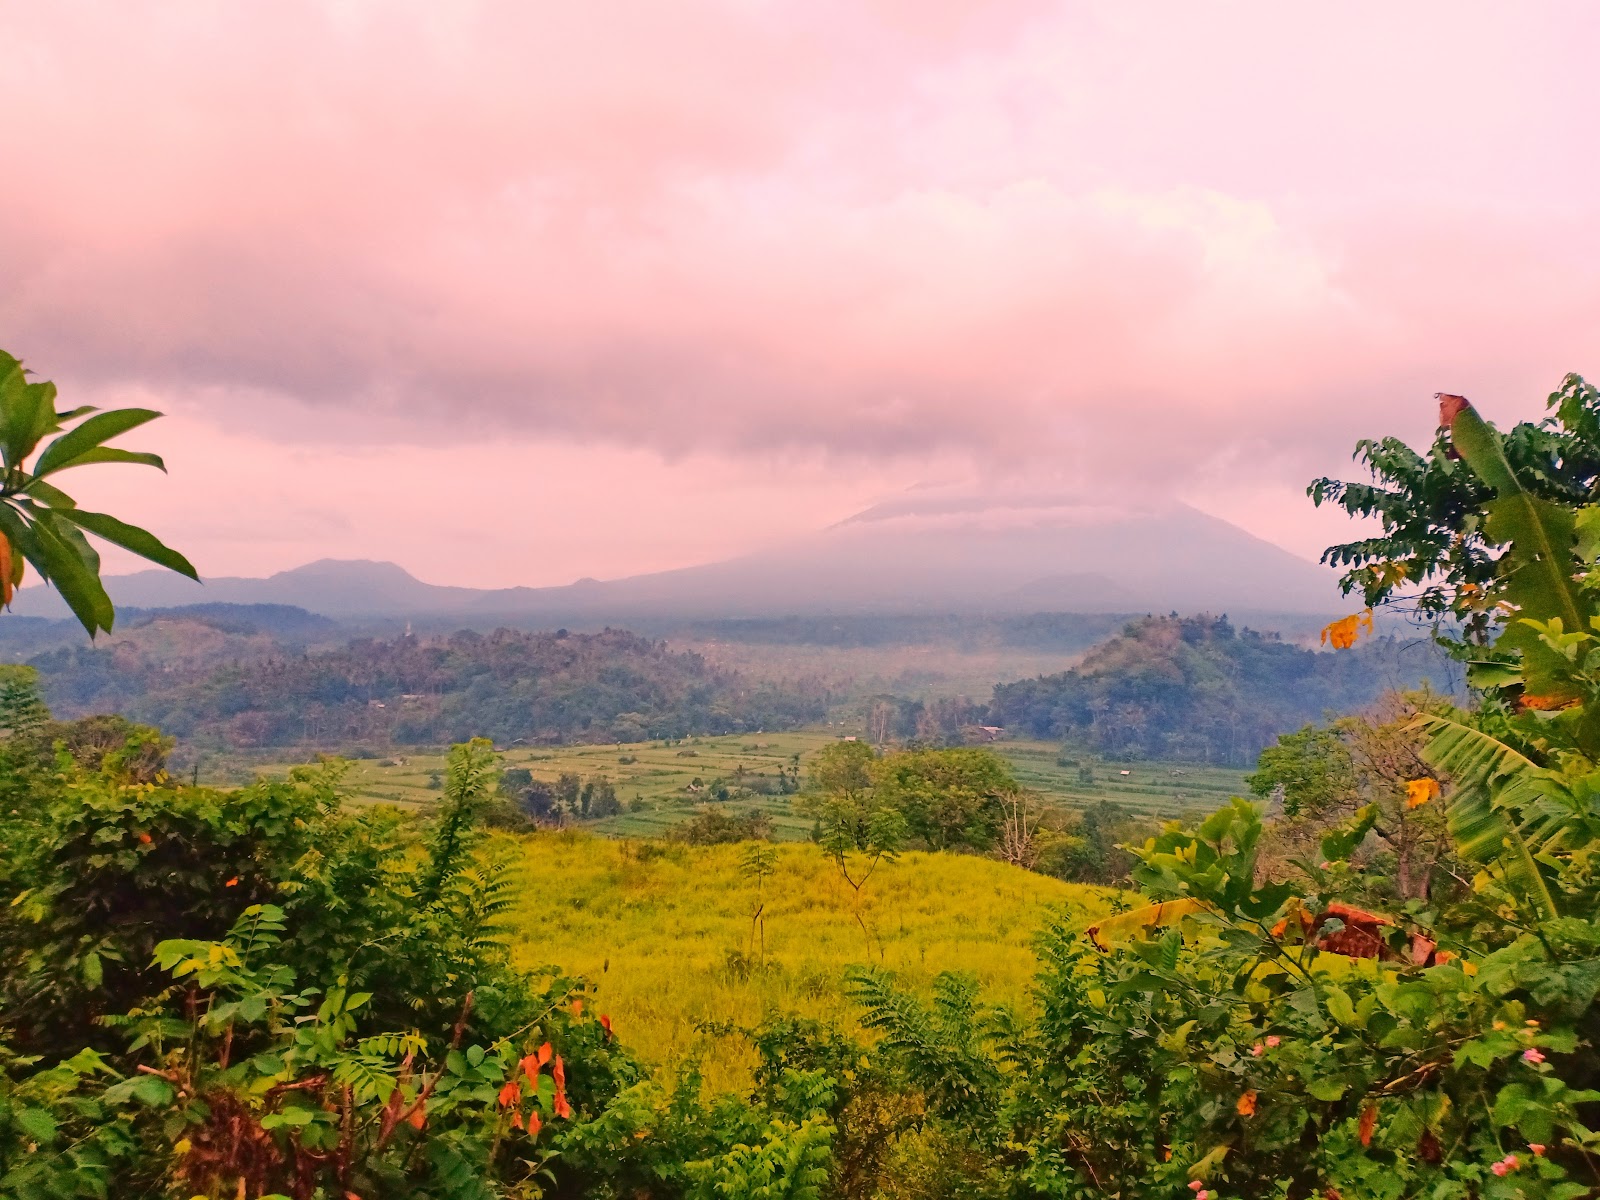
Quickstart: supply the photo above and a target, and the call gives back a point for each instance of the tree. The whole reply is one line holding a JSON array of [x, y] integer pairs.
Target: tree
[[1019, 828], [43, 526], [1370, 762], [1435, 553], [759, 863], [858, 837], [842, 769], [948, 797], [1312, 768]]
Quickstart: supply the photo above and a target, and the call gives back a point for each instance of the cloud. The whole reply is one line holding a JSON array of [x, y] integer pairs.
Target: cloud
[[1165, 248]]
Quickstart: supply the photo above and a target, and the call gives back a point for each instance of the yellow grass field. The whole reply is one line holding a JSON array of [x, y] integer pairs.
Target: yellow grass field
[[664, 932]]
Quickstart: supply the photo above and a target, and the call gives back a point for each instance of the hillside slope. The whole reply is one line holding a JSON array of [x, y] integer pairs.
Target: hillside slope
[[664, 933]]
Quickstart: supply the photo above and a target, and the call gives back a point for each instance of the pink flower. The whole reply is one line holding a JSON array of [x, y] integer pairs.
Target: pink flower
[[1195, 1185], [1499, 1168], [1257, 1050], [1511, 1163], [1202, 1194], [1531, 1055], [1274, 1041], [1537, 1148]]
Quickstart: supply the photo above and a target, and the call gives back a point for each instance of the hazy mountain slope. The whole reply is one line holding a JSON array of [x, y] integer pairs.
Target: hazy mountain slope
[[928, 552]]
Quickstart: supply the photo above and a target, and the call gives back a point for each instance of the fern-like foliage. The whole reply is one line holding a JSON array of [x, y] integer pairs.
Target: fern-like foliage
[[944, 1045], [470, 778], [793, 1162]]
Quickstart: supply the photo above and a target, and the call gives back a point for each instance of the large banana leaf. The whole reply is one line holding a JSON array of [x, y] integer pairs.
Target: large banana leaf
[[1498, 796], [1537, 570], [1138, 921]]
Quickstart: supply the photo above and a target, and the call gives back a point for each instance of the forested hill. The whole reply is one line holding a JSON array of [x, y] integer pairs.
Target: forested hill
[[1195, 689], [506, 685]]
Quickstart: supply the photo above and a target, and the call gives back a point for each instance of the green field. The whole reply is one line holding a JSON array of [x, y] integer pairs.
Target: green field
[[654, 785], [664, 934]]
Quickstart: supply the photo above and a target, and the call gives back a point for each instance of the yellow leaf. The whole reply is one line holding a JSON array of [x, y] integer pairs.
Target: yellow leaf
[[1343, 633], [1138, 920], [1420, 791]]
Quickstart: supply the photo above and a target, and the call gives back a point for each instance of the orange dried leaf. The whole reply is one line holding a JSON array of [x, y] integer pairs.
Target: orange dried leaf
[[1369, 1121], [577, 1007], [544, 1053], [1343, 633], [605, 1023], [510, 1094], [1450, 407], [1550, 703], [1420, 791], [534, 1123], [1247, 1104], [418, 1118], [234, 882]]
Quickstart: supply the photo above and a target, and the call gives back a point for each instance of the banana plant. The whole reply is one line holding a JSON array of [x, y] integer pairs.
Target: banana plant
[[43, 526]]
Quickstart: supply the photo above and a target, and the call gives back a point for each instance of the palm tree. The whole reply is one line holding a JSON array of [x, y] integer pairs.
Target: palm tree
[[42, 525]]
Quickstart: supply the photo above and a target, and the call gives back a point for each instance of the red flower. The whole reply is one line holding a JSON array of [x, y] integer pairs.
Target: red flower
[[534, 1124], [544, 1054], [563, 1109], [605, 1023], [511, 1093], [560, 1073]]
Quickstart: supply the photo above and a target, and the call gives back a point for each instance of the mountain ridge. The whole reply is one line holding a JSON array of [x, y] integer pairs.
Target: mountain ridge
[[935, 554]]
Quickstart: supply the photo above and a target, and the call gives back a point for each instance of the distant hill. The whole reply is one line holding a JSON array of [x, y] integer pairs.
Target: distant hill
[[245, 691], [1196, 689], [929, 552]]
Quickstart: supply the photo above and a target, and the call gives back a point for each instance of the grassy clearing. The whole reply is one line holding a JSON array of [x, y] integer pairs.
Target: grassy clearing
[[654, 783], [665, 934]]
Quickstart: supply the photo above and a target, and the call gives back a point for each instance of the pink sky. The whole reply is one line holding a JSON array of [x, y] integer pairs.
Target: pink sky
[[520, 293]]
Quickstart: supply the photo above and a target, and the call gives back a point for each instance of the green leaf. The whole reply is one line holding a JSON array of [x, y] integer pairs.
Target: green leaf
[[1327, 1089], [152, 1090], [1490, 784], [111, 454], [1537, 570], [92, 973], [27, 412], [59, 561], [37, 1124], [131, 537], [1340, 1007], [267, 1064], [69, 447]]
